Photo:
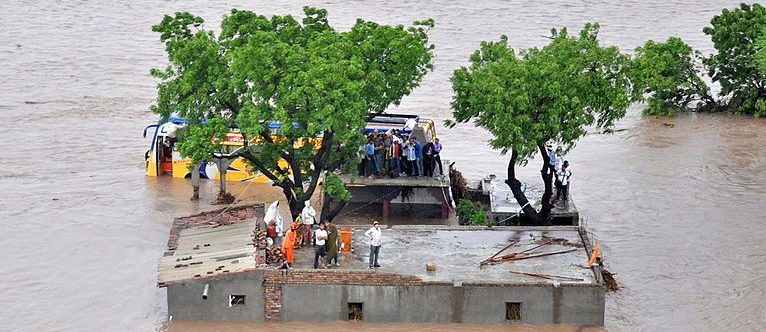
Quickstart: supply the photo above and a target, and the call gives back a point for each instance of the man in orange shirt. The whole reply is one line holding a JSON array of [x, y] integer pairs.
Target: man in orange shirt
[[288, 246]]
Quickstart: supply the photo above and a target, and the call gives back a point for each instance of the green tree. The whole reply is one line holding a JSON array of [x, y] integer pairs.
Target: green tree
[[541, 95], [734, 33], [303, 75], [760, 53], [668, 74]]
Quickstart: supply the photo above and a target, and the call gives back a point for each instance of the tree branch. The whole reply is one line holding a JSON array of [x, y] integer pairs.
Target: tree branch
[[261, 167], [320, 158]]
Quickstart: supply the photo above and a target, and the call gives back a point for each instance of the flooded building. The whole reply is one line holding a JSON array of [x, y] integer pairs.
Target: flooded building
[[541, 276]]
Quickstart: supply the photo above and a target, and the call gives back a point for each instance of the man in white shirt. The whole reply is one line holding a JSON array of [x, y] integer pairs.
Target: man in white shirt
[[375, 236], [319, 251], [562, 176]]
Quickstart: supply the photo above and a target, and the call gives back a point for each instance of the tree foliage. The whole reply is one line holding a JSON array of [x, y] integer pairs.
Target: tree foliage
[[304, 75], [668, 73], [734, 34], [540, 95]]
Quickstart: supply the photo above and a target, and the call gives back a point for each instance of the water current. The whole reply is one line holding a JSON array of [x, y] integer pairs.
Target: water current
[[677, 204]]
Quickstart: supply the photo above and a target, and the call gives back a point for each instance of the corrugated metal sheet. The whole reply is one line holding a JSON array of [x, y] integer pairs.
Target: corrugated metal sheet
[[210, 250]]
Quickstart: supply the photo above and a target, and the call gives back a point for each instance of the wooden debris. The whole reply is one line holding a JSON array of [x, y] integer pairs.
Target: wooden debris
[[259, 237], [548, 276], [490, 258], [558, 241], [516, 256], [545, 254], [274, 255], [609, 281]]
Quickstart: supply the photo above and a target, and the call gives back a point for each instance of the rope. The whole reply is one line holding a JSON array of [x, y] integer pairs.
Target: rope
[[517, 215]]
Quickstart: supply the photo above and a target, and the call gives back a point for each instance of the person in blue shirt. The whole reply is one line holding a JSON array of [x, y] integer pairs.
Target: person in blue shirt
[[552, 159], [410, 158], [419, 156], [369, 158]]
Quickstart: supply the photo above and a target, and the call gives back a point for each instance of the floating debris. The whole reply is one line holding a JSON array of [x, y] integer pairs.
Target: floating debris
[[609, 281]]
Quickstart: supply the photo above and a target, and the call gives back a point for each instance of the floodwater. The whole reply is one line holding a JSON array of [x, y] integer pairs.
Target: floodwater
[[677, 204]]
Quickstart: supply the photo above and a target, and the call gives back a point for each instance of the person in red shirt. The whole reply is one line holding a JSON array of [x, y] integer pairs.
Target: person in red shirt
[[271, 231]]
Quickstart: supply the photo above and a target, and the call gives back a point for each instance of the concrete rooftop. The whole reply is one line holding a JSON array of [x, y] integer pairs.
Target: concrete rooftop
[[502, 201], [402, 181], [457, 252]]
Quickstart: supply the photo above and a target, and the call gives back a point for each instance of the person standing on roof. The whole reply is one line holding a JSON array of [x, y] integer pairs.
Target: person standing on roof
[[332, 242], [378, 155], [387, 153], [308, 214], [428, 157], [396, 153], [437, 159], [375, 235], [563, 176], [320, 250], [272, 215], [288, 247], [369, 154], [412, 158], [552, 159], [419, 155]]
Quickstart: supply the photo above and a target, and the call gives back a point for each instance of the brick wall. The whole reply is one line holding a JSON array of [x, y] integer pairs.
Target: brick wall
[[273, 302], [222, 216], [274, 279]]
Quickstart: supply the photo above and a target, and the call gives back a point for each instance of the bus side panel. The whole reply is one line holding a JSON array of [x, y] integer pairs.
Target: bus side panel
[[181, 168], [151, 164]]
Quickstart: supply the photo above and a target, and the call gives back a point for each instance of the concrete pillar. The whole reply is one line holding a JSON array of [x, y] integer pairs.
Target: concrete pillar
[[386, 208], [223, 166]]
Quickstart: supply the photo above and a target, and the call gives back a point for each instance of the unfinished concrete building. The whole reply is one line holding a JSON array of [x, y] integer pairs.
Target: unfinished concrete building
[[210, 273]]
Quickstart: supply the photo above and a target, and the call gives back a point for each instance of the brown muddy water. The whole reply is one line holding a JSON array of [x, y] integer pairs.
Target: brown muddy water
[[678, 208]]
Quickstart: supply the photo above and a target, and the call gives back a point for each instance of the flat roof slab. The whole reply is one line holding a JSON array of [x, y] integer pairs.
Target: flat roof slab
[[502, 202], [457, 251], [402, 181]]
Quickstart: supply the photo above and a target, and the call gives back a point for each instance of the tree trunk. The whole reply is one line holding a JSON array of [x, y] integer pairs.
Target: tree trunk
[[547, 173], [195, 182], [331, 208], [535, 217]]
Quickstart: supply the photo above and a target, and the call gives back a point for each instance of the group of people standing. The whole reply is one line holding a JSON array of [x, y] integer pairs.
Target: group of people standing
[[300, 233], [325, 237], [393, 154], [562, 172]]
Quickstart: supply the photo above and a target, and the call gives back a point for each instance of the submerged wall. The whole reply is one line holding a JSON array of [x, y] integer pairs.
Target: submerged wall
[[185, 300], [324, 295]]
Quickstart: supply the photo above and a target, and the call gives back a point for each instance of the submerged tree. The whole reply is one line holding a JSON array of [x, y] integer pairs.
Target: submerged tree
[[668, 73], [541, 95], [284, 83], [734, 34]]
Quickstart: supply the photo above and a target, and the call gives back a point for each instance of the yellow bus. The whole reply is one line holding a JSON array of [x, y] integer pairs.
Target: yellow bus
[[163, 158]]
